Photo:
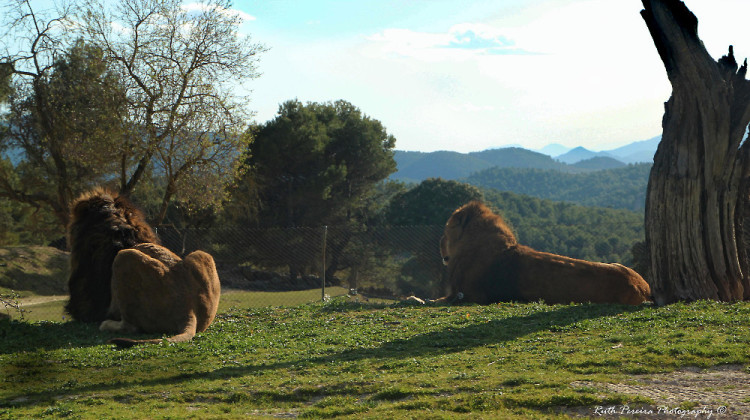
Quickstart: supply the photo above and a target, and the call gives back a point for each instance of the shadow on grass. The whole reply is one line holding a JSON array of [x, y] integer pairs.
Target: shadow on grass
[[16, 336], [451, 340]]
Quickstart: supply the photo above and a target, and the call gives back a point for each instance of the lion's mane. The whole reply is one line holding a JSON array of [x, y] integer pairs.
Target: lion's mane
[[486, 264], [102, 224]]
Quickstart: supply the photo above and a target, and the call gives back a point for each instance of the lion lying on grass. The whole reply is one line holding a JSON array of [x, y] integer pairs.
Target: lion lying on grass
[[154, 291], [487, 265]]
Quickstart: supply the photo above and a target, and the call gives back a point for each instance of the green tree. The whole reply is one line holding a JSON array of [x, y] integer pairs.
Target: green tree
[[430, 203], [21, 223], [6, 73], [317, 164], [63, 120]]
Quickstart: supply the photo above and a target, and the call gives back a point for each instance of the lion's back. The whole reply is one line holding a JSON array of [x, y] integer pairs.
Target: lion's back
[[207, 285], [159, 288], [559, 279]]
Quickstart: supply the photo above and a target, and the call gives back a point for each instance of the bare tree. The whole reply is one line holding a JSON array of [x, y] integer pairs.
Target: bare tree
[[697, 193], [182, 68]]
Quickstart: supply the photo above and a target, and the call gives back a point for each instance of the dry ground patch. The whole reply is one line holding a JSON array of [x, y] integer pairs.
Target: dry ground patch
[[688, 392]]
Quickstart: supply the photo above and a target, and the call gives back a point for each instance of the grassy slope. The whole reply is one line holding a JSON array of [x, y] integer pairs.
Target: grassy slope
[[364, 360], [33, 270]]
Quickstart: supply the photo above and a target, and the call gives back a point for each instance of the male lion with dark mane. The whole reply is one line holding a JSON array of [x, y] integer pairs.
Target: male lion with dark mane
[[487, 265], [102, 224], [121, 276]]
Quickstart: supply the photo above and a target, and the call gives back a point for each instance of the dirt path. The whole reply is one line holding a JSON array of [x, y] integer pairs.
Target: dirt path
[[717, 393], [38, 300]]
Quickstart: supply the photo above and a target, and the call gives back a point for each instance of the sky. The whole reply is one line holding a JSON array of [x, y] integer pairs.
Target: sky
[[474, 75]]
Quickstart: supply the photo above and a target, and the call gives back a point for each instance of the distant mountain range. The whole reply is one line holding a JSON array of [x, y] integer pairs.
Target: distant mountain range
[[638, 152], [418, 166]]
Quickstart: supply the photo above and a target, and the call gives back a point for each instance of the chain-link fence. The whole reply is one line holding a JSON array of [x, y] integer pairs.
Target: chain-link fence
[[371, 261], [381, 262]]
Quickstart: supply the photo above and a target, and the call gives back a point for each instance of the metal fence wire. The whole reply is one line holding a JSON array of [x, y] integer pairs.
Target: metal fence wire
[[392, 261]]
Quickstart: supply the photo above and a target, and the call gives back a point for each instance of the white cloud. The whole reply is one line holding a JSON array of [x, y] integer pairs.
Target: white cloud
[[461, 42], [407, 43], [577, 74], [118, 28]]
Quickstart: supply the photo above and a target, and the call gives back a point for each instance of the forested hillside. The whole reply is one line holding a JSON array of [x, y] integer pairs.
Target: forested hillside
[[621, 188], [599, 163], [597, 234], [418, 166]]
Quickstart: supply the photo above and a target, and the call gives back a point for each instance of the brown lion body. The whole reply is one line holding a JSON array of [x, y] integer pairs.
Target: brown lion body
[[487, 265], [102, 224], [154, 291]]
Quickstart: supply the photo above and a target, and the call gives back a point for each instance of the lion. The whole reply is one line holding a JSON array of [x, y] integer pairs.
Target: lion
[[102, 224], [154, 291], [486, 264]]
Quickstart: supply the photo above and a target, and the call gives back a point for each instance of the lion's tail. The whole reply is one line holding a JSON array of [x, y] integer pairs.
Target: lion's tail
[[186, 335]]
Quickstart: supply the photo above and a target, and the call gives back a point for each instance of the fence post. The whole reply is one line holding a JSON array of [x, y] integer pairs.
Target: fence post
[[323, 288]]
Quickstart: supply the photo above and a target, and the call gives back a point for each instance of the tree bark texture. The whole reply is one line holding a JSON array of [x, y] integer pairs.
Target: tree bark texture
[[697, 194]]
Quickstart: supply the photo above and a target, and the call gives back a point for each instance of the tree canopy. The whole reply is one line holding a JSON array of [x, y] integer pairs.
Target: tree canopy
[[64, 120], [317, 163], [623, 188], [113, 92], [430, 203]]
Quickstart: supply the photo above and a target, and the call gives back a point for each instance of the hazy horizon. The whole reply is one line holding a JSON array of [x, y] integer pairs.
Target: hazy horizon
[[604, 149]]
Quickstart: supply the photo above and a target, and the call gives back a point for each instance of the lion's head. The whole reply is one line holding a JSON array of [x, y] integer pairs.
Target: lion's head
[[473, 220]]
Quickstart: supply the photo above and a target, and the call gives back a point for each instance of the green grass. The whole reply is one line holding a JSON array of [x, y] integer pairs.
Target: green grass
[[356, 360], [240, 299]]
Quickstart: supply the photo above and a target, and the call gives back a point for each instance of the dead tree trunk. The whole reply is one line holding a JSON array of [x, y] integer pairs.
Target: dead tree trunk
[[696, 192]]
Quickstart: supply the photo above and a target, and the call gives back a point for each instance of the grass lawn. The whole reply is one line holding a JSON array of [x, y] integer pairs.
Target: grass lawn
[[370, 360]]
